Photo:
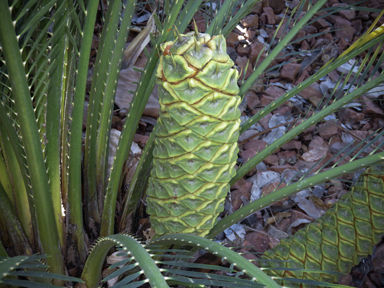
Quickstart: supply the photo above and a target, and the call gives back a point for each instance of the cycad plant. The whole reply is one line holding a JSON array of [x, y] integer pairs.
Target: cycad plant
[[57, 195]]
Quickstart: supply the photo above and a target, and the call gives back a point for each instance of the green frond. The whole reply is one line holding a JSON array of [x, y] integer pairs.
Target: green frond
[[220, 17], [147, 81], [102, 139], [232, 257], [172, 268], [95, 155], [19, 190], [210, 279], [35, 18], [12, 222], [92, 270], [34, 45], [29, 132], [186, 15], [279, 47], [293, 188], [138, 182], [76, 126], [234, 19], [322, 72], [16, 271]]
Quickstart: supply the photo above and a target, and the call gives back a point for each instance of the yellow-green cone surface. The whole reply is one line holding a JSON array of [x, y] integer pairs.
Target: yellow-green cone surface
[[196, 142], [339, 239]]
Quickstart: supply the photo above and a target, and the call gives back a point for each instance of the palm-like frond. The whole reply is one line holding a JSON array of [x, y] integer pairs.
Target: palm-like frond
[[28, 271], [158, 264], [21, 94]]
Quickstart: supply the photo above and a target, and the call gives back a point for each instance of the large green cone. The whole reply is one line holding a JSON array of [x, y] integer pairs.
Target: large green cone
[[339, 239], [196, 142]]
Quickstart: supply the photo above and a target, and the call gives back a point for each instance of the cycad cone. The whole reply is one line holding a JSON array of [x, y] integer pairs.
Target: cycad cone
[[339, 239], [196, 142]]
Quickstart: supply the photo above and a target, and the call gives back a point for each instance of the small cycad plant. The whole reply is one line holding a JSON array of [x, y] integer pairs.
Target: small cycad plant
[[55, 194]]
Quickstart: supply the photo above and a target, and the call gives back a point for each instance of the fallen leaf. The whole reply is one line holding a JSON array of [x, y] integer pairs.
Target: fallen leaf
[[375, 92], [297, 223], [346, 68], [139, 19], [309, 207], [112, 259], [113, 143], [318, 203], [277, 217], [235, 229], [126, 83], [276, 233], [266, 177], [138, 44], [255, 191], [275, 134], [258, 240], [316, 153], [273, 242]]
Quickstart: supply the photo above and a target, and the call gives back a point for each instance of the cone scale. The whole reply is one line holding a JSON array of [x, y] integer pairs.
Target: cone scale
[[196, 141]]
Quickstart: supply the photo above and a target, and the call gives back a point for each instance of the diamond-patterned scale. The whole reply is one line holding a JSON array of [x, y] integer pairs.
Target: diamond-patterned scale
[[213, 104], [219, 49], [189, 90], [229, 111], [181, 45], [198, 55], [202, 125], [230, 86], [225, 132], [183, 113], [226, 154], [176, 68], [166, 92], [168, 126], [215, 74]]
